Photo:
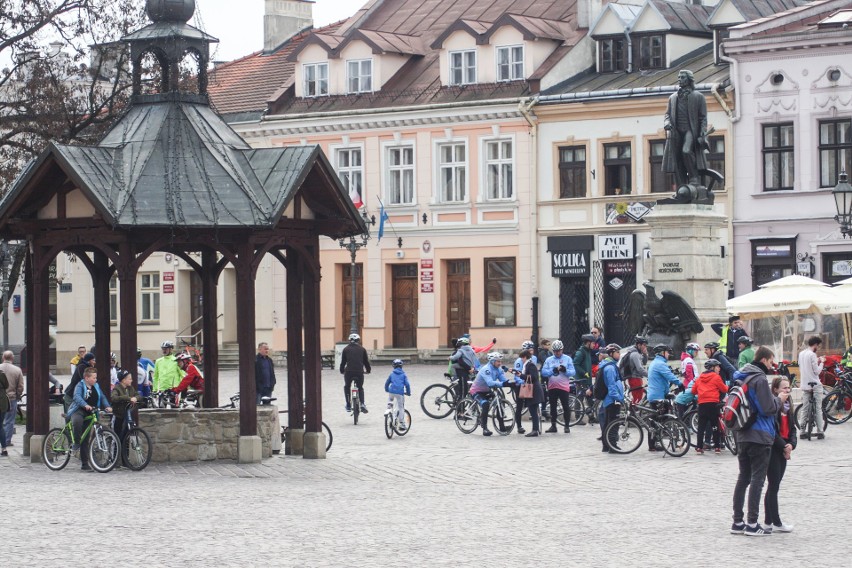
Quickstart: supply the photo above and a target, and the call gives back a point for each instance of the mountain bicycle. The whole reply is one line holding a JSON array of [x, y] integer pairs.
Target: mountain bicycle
[[104, 446], [354, 402], [726, 435], [807, 424], [468, 413], [136, 448], [626, 433], [439, 400], [392, 425], [282, 418], [837, 404]]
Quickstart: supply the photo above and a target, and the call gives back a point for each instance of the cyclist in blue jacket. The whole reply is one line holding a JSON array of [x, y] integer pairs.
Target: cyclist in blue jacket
[[660, 376], [489, 376], [559, 371]]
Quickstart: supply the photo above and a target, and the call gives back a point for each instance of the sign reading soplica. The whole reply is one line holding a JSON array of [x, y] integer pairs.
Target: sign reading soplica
[[570, 263], [616, 247]]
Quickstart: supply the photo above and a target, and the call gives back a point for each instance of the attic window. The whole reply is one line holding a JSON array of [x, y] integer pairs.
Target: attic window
[[612, 53], [650, 54], [463, 67], [316, 79], [359, 75], [510, 63]]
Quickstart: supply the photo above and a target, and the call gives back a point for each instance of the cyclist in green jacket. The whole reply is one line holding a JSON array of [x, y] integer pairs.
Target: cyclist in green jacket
[[167, 373], [746, 351]]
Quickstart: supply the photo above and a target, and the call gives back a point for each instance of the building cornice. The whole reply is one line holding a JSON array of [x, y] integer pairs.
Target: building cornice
[[828, 41]]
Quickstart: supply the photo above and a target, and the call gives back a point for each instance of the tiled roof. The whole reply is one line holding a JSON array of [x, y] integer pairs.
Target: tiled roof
[[754, 9], [683, 17], [386, 42], [245, 85]]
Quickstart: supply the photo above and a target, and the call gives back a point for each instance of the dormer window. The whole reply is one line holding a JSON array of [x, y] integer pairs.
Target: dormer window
[[315, 79], [510, 63], [612, 55], [359, 75], [463, 67], [650, 52]]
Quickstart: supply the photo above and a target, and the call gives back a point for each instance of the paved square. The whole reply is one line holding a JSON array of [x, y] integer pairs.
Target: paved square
[[435, 497]]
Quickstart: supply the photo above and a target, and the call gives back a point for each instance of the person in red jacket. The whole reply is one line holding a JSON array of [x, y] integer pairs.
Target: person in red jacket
[[709, 387], [192, 379]]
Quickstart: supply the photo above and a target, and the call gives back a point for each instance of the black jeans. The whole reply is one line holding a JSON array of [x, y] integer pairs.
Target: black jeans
[[462, 387], [754, 461], [774, 475], [610, 414], [554, 395], [483, 399], [533, 406], [347, 386], [661, 406], [708, 416]]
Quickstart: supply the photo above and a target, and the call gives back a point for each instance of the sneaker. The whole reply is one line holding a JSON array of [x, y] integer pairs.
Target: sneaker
[[605, 450], [782, 528], [756, 530], [86, 467], [804, 436], [348, 408], [819, 436], [738, 528], [401, 427], [521, 430], [551, 430], [533, 434], [699, 450], [717, 451], [4, 453], [767, 528], [486, 432], [567, 430], [364, 409]]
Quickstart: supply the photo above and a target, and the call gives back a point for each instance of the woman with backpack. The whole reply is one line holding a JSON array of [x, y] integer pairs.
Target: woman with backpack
[[782, 449]]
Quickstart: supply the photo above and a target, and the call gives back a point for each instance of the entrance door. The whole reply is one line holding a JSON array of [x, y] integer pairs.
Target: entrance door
[[619, 283], [196, 306], [458, 298], [573, 311], [347, 300], [404, 305]]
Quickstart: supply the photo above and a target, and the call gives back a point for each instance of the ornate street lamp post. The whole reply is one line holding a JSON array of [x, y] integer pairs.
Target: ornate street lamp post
[[352, 245], [843, 201]]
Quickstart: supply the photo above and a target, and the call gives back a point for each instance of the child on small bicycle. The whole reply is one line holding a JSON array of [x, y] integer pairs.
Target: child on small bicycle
[[123, 396], [397, 387], [709, 388], [87, 397]]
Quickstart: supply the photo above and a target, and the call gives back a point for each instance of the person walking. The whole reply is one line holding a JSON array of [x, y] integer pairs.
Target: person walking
[[264, 372], [529, 372], [709, 387], [558, 370], [14, 391], [354, 363], [755, 442], [782, 451], [812, 391], [4, 409]]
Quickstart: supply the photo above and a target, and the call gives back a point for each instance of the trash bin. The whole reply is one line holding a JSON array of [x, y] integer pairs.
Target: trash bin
[[338, 353]]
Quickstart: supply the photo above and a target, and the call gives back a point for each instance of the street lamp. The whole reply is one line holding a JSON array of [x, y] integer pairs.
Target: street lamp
[[843, 201], [352, 245]]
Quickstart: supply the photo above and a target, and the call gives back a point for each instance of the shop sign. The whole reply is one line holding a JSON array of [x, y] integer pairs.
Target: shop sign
[[570, 263], [772, 251], [618, 267], [615, 247]]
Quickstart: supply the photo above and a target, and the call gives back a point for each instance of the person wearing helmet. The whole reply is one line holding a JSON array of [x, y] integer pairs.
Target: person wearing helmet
[[489, 376], [123, 396], [192, 378], [608, 372], [397, 387], [746, 351], [729, 336], [167, 373], [711, 350], [353, 364], [559, 371], [113, 371], [709, 388], [660, 378], [463, 362], [144, 372], [632, 367], [529, 347], [688, 374]]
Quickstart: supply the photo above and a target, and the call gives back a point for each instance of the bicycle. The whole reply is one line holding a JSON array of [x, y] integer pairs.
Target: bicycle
[[104, 445], [285, 428], [392, 425], [194, 352], [726, 435], [626, 433], [354, 402], [837, 404], [136, 448], [468, 413], [807, 427], [439, 400]]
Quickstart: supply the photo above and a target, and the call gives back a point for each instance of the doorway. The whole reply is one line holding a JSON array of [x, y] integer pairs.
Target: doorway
[[404, 305], [573, 311], [619, 283], [346, 307], [458, 298]]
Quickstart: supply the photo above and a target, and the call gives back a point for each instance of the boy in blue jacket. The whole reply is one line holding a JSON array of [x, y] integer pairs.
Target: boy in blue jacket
[[397, 387]]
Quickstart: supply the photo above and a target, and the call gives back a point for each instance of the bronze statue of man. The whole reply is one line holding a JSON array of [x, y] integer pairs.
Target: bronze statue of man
[[686, 125]]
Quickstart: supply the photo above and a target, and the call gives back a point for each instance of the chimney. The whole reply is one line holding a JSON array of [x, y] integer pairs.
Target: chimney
[[587, 12], [282, 19]]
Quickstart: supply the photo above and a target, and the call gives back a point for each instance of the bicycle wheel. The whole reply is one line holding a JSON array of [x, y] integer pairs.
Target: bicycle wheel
[[799, 418], [438, 401], [691, 420], [731, 441], [57, 449], [503, 409], [837, 407], [576, 410], [356, 410], [399, 431], [389, 425], [624, 435], [467, 415], [674, 436], [560, 414], [104, 449], [136, 450], [328, 436]]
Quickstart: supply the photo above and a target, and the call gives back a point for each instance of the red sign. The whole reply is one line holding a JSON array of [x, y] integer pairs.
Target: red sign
[[425, 263], [427, 287], [427, 275], [168, 288], [168, 276], [616, 267]]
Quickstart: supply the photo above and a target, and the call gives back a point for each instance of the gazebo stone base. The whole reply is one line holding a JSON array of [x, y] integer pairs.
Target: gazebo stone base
[[294, 443], [36, 443], [249, 449], [314, 446], [26, 446]]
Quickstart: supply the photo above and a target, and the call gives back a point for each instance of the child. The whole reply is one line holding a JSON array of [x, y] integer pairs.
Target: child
[[123, 397], [396, 386], [689, 371], [709, 387]]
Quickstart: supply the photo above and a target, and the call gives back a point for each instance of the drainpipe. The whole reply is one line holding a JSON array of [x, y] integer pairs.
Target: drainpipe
[[629, 49], [714, 88], [525, 107], [735, 116]]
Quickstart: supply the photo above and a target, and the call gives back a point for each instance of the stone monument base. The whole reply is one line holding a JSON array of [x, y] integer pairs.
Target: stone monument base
[[314, 445]]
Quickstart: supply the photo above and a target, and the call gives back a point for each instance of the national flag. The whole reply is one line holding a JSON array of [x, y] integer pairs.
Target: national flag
[[355, 195], [383, 216]]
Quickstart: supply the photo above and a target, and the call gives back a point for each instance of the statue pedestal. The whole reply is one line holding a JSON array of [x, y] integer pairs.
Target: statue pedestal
[[686, 254]]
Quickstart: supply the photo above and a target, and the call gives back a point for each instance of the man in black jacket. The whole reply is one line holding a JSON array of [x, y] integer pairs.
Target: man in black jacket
[[353, 365], [264, 372], [713, 352], [729, 335]]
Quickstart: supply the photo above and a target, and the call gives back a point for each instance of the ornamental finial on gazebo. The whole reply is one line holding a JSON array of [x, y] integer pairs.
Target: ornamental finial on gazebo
[[170, 10]]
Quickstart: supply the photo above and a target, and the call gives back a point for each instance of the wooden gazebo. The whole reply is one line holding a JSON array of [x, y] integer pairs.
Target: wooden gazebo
[[172, 176]]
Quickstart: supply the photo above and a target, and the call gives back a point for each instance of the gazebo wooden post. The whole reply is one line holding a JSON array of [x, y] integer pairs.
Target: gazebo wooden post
[[210, 327], [314, 444], [28, 362], [100, 279], [249, 445], [295, 380], [38, 399], [126, 272]]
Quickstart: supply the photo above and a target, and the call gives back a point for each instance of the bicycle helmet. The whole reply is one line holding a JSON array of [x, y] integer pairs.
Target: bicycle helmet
[[640, 339], [397, 363], [167, 345], [527, 345], [587, 337], [112, 356], [557, 345], [710, 363], [462, 341], [693, 347], [121, 373], [138, 351], [711, 345], [183, 356], [612, 348], [661, 347], [354, 338], [495, 356], [745, 339]]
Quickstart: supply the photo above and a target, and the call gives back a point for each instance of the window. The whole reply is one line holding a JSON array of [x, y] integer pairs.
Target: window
[[453, 171], [498, 169], [778, 156], [572, 172], [316, 79], [150, 296], [360, 75], [661, 182], [612, 55], [716, 156], [463, 67], [400, 175], [350, 169], [650, 52], [113, 299], [499, 292], [510, 63], [618, 166], [771, 259], [835, 150]]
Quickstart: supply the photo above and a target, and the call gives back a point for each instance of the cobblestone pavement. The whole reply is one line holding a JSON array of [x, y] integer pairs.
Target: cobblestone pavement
[[435, 497]]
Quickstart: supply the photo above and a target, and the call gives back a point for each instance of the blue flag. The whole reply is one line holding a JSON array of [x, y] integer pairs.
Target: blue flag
[[383, 216]]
